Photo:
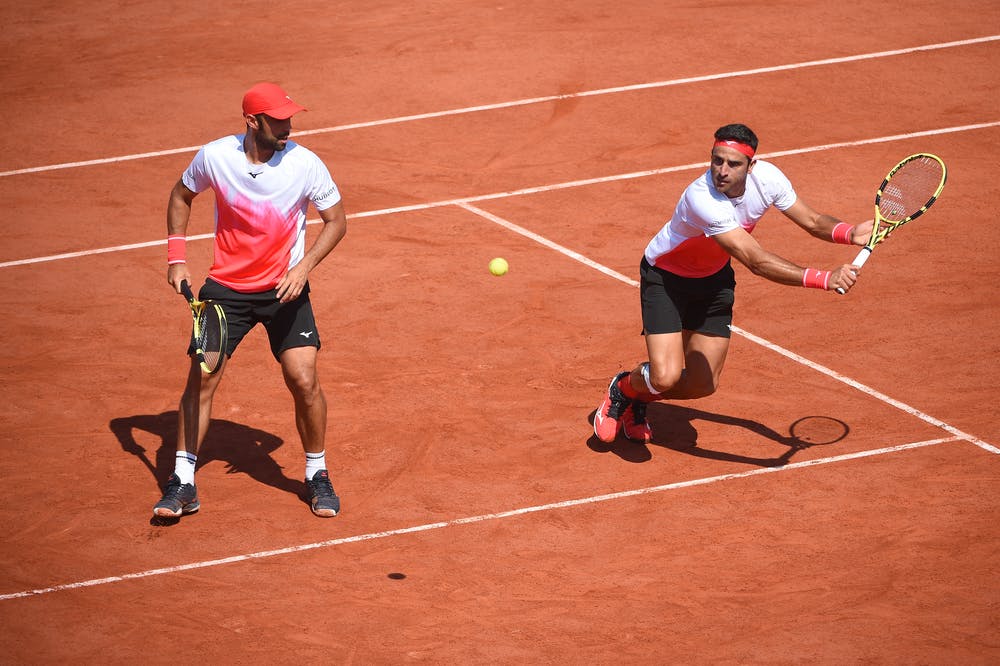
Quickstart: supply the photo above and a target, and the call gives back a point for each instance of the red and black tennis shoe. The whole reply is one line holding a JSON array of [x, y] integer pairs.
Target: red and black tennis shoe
[[607, 419], [634, 423]]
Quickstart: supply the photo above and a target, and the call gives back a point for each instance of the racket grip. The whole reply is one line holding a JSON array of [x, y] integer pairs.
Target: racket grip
[[862, 256], [186, 290], [858, 261]]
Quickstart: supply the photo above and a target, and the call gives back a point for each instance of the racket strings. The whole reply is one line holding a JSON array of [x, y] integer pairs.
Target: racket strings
[[212, 336], [910, 189]]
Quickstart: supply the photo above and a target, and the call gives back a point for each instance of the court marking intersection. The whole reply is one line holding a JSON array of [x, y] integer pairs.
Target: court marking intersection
[[466, 203]]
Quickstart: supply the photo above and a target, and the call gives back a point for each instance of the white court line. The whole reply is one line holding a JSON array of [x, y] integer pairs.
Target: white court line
[[913, 411], [540, 100], [471, 519], [464, 203], [540, 189]]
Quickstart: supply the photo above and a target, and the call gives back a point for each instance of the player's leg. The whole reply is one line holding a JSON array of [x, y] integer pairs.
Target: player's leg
[[295, 343], [666, 353], [687, 339], [661, 319], [193, 416], [195, 411], [298, 367], [704, 358]]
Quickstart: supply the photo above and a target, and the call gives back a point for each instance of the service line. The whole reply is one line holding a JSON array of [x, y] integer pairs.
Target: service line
[[538, 189]]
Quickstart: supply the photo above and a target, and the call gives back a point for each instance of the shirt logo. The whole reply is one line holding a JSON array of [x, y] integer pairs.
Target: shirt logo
[[306, 334]]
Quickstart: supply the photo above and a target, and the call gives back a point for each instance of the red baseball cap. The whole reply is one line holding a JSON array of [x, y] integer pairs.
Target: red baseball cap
[[269, 99]]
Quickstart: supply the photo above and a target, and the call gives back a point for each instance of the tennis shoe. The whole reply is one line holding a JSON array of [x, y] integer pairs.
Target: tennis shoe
[[322, 499], [607, 418], [634, 423], [178, 498]]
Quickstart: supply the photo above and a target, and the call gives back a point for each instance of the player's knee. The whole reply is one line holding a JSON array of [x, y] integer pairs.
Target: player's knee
[[662, 380], [302, 382]]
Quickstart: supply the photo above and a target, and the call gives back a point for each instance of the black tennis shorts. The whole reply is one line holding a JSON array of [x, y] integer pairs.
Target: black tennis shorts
[[671, 303], [288, 325]]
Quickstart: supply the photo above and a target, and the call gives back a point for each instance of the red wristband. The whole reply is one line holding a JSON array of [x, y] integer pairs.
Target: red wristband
[[843, 233], [815, 278], [176, 250]]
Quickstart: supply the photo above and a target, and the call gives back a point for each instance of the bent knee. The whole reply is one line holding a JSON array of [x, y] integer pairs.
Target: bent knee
[[662, 380]]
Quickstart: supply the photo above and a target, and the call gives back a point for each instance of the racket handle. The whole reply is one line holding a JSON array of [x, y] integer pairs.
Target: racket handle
[[862, 256], [186, 290], [859, 261]]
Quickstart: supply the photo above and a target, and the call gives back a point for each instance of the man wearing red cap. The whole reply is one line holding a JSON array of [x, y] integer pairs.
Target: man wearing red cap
[[687, 286], [263, 185]]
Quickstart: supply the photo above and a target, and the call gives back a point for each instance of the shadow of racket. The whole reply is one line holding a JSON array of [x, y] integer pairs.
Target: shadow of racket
[[810, 431]]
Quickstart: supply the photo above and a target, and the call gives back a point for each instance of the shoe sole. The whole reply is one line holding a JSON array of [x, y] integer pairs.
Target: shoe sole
[[325, 513], [167, 513]]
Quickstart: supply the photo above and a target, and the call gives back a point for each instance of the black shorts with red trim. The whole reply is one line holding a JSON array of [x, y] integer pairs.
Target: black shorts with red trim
[[672, 303], [288, 325]]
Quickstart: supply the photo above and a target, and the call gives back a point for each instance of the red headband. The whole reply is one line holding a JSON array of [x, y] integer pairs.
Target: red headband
[[742, 147]]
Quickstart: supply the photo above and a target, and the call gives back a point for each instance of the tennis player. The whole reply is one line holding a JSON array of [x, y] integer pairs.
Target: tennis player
[[687, 283], [263, 184]]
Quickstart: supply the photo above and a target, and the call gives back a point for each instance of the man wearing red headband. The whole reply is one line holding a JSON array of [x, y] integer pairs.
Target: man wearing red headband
[[263, 185], [688, 285]]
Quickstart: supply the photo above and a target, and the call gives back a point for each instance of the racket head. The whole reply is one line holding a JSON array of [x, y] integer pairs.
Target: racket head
[[211, 336], [908, 190], [209, 333]]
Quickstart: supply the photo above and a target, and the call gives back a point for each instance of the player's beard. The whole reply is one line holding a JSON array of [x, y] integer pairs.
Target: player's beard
[[278, 144], [269, 143]]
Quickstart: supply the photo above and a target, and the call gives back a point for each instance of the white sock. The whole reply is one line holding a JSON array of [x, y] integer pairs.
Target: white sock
[[184, 464], [314, 463]]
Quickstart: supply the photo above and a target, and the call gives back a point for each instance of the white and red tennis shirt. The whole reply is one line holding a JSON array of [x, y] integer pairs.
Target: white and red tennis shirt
[[684, 246], [260, 209]]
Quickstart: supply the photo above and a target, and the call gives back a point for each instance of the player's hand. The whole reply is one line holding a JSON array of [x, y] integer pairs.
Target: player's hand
[[177, 273], [290, 286], [862, 232], [844, 277]]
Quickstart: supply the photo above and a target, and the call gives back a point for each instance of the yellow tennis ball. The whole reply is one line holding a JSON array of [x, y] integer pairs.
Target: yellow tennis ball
[[498, 266]]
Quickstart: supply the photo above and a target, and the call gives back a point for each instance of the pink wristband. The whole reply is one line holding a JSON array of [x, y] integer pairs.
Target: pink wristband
[[815, 278], [843, 233], [176, 250]]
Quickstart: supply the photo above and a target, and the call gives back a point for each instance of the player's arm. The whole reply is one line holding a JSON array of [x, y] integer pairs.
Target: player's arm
[[826, 227], [178, 216], [744, 248], [334, 229]]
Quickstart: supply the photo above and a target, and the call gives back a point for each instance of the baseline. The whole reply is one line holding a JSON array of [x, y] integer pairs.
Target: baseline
[[541, 100], [474, 519]]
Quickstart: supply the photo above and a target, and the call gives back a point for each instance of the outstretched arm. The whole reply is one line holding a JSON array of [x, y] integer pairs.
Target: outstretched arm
[[821, 225], [744, 248]]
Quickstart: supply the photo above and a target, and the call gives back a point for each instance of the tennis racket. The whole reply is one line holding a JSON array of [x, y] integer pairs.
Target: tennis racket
[[208, 331], [911, 187]]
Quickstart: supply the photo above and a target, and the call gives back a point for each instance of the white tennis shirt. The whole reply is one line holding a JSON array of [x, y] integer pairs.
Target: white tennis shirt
[[260, 209], [684, 246]]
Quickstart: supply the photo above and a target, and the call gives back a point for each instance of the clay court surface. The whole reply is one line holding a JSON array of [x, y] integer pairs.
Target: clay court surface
[[482, 522]]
